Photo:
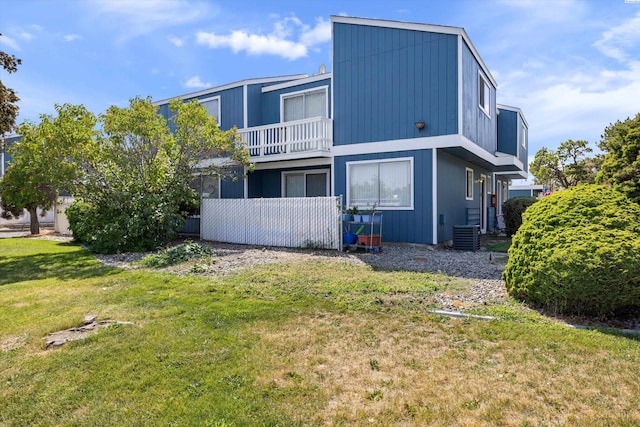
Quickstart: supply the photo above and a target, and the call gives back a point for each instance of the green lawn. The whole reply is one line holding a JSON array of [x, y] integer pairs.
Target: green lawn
[[499, 245], [289, 344]]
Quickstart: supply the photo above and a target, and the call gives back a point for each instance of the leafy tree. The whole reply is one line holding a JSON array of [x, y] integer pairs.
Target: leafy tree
[[8, 97], [621, 165], [565, 167], [135, 185], [42, 161]]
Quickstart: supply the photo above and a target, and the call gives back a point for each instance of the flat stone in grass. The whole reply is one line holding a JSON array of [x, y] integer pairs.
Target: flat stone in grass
[[89, 327]]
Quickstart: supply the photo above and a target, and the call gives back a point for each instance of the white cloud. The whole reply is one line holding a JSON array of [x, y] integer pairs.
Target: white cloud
[[24, 35], [71, 37], [280, 42], [615, 42], [549, 11], [195, 83], [574, 105], [135, 18], [254, 44], [176, 41], [321, 33], [9, 42]]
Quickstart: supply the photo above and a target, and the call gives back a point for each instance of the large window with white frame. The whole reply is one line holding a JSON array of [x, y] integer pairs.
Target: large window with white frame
[[469, 183], [484, 95], [212, 105], [387, 184], [309, 183], [304, 104]]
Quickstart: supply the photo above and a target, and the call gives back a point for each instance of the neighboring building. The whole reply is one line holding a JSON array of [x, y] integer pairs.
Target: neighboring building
[[5, 157], [526, 190], [406, 120]]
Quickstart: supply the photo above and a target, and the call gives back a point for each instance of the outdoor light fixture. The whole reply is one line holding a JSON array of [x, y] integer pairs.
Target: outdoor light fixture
[[420, 125]]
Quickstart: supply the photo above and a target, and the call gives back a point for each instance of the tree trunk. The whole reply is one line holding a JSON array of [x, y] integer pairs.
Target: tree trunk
[[35, 225]]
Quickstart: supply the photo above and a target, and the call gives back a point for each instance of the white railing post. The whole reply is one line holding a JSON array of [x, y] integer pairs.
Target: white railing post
[[289, 137]]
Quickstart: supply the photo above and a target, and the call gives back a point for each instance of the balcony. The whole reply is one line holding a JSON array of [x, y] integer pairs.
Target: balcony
[[298, 139]]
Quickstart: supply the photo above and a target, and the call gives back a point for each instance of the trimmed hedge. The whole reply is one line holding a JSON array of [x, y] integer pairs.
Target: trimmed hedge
[[578, 252], [513, 210]]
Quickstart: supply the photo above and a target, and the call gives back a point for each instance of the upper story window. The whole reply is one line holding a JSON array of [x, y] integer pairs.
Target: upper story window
[[523, 136], [304, 105], [212, 105], [484, 95]]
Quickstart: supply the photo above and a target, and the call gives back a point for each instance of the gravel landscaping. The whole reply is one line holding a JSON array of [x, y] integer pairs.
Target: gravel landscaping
[[482, 269]]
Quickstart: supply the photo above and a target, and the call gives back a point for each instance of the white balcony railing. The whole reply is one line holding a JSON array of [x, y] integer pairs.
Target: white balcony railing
[[295, 139]]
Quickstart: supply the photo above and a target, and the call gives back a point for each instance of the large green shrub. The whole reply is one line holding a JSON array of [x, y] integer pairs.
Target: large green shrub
[[513, 210], [578, 252], [143, 225]]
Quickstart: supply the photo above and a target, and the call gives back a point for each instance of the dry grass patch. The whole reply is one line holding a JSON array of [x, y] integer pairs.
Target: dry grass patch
[[401, 369]]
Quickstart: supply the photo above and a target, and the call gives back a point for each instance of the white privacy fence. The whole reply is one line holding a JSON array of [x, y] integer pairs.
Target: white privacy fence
[[289, 222]]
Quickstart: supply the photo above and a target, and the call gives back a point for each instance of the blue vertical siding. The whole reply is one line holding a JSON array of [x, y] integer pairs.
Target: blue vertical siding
[[230, 189], [264, 183], [510, 124], [508, 132], [7, 144], [475, 124], [413, 226], [520, 193], [231, 110], [254, 107], [452, 202], [386, 79], [271, 100]]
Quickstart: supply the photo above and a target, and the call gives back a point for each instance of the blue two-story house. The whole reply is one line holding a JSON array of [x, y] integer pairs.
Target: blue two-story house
[[406, 121]]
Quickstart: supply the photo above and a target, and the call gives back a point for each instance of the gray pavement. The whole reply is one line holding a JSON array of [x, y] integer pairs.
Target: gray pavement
[[21, 230]]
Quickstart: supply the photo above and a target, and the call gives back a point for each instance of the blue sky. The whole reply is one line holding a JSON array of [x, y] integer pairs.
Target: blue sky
[[572, 66]]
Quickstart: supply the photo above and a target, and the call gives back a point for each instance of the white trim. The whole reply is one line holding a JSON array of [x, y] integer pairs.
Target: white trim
[[515, 110], [331, 83], [427, 143], [304, 172], [304, 92], [215, 89], [202, 177], [246, 183], [245, 107], [214, 98], [483, 204], [466, 183], [332, 177], [417, 27], [514, 174], [294, 83], [460, 97], [378, 161], [293, 163], [434, 195], [527, 187], [217, 162]]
